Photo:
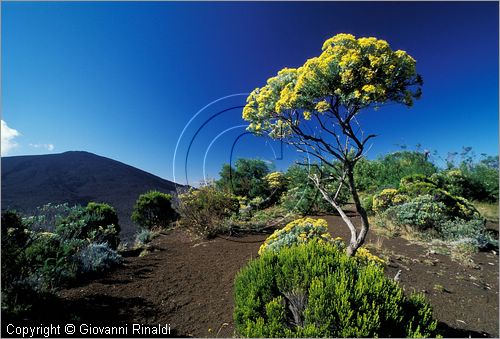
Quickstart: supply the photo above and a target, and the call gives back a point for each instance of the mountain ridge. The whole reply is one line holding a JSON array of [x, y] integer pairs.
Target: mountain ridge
[[77, 177]]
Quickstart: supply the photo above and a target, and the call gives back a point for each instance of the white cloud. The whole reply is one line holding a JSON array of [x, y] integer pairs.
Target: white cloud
[[48, 147], [8, 135]]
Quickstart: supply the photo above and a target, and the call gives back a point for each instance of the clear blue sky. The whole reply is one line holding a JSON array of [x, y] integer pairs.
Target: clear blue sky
[[123, 79]]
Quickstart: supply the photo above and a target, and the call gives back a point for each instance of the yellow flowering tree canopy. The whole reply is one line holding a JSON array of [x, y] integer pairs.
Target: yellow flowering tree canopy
[[350, 74]]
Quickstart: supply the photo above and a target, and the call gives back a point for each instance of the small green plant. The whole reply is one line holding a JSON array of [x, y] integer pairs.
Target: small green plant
[[144, 237], [316, 290]]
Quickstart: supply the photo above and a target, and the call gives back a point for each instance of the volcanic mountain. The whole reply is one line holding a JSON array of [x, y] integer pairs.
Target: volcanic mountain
[[77, 177]]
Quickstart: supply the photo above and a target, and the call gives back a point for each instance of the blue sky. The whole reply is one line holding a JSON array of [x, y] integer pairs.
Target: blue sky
[[124, 80]]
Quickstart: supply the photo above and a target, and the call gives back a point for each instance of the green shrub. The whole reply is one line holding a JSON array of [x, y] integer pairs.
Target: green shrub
[[154, 210], [367, 203], [316, 290], [145, 237], [472, 231], [206, 210], [95, 222], [97, 258], [414, 187], [15, 238], [387, 171], [247, 178], [45, 218], [51, 261], [422, 213], [103, 224]]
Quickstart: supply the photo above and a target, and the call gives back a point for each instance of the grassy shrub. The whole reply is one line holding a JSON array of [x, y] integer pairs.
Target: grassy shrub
[[154, 210], [414, 187], [205, 211], [315, 290], [51, 261], [15, 238], [420, 209]]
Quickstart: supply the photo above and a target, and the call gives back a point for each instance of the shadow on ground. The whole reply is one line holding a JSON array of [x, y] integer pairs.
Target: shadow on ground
[[94, 313]]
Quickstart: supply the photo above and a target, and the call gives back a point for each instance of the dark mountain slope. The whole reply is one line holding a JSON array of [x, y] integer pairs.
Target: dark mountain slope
[[76, 178]]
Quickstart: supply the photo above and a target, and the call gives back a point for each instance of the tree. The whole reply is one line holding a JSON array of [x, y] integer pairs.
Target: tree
[[154, 209], [247, 178], [314, 108]]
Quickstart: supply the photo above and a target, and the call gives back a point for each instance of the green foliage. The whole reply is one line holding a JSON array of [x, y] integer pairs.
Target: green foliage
[[367, 203], [316, 290], [415, 186], [205, 210], [247, 178], [15, 238], [96, 222], [144, 237], [421, 212], [104, 215], [37, 262], [387, 171], [303, 197], [154, 210], [422, 206], [51, 261]]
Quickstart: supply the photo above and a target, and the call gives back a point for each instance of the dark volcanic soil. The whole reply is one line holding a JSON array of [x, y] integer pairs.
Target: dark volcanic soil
[[189, 285]]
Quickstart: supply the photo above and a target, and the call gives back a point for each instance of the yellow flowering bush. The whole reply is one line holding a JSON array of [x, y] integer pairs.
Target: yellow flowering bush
[[363, 255], [275, 180], [296, 232], [387, 198]]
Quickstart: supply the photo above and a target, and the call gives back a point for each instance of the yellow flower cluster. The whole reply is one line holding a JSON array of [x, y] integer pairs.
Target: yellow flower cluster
[[275, 180], [319, 227], [322, 106], [365, 255]]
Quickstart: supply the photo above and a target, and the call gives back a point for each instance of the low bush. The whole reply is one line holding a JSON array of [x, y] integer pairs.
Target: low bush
[[205, 211], [144, 238], [316, 290], [97, 222], [367, 203], [97, 258], [296, 232], [422, 213], [154, 210]]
